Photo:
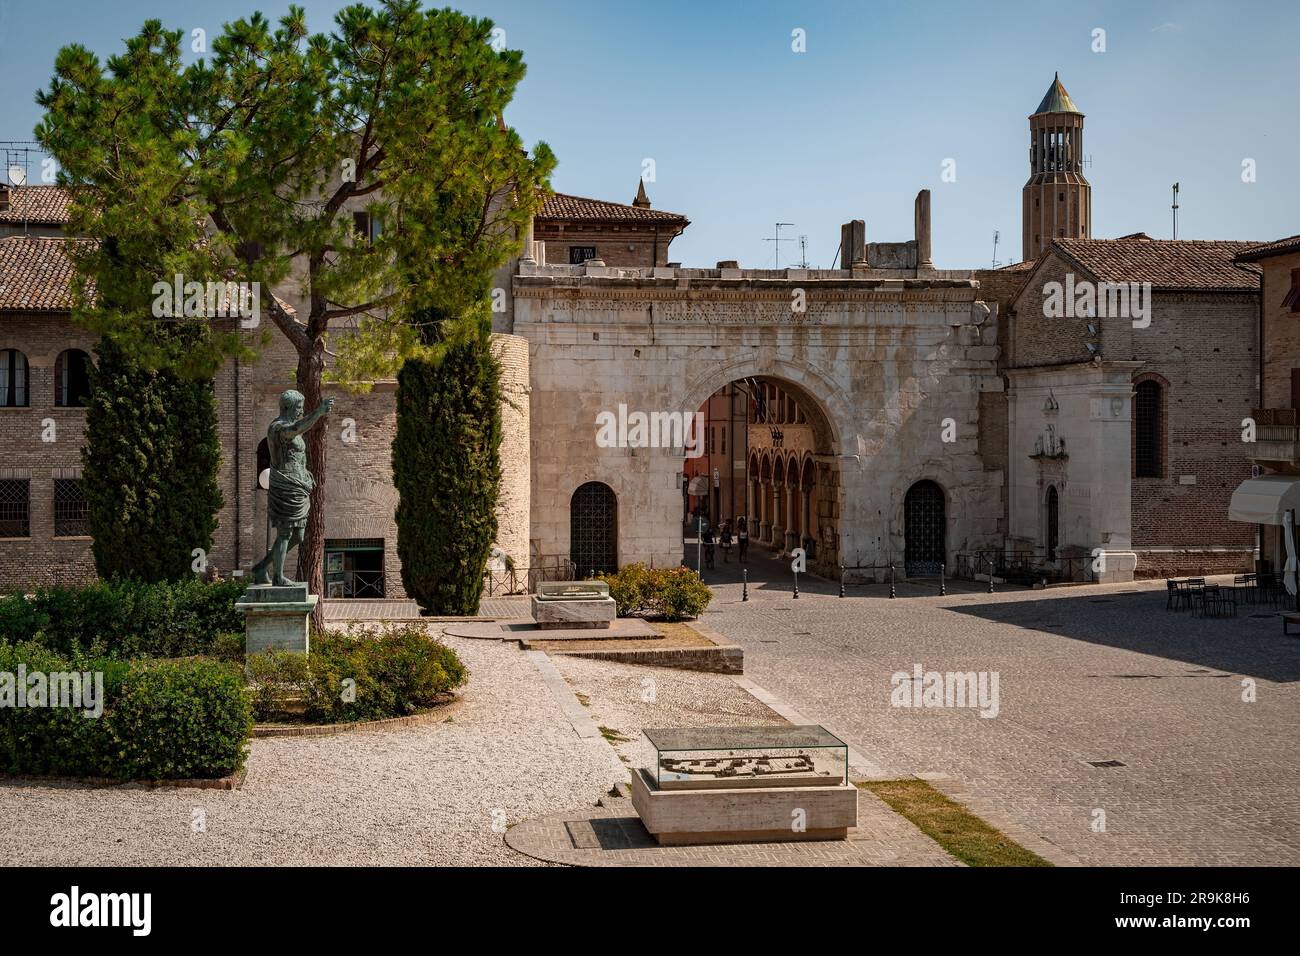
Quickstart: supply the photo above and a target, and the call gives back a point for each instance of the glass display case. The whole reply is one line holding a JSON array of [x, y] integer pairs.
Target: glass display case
[[719, 758]]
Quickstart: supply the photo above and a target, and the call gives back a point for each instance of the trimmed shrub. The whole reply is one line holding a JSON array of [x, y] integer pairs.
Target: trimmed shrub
[[125, 618], [672, 594], [393, 673], [447, 471], [151, 457], [160, 719]]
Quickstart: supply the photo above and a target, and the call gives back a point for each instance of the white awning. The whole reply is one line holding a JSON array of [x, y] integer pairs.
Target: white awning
[[1263, 500]]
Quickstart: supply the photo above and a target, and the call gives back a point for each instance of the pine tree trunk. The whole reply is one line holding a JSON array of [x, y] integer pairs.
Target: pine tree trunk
[[312, 550]]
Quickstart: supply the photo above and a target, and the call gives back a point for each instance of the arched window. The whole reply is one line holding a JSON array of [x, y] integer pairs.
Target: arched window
[[593, 529], [72, 378], [1148, 413], [13, 379], [924, 529]]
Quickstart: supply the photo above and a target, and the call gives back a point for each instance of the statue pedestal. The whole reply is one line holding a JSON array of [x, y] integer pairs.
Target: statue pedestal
[[276, 617]]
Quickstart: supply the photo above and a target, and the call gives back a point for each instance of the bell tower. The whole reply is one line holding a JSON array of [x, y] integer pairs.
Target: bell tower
[[1057, 199]]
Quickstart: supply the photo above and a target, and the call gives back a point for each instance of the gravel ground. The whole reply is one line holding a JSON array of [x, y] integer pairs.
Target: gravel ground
[[415, 796], [616, 695]]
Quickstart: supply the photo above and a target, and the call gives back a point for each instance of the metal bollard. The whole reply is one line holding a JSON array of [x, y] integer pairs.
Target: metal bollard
[[796, 585], [744, 587], [990, 577], [891, 582], [841, 582], [942, 590]]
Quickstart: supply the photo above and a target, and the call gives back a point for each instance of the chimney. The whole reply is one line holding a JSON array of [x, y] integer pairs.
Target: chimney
[[853, 243], [923, 260]]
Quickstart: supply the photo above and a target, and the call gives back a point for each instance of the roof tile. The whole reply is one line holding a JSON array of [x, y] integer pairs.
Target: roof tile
[[561, 206], [36, 274], [47, 205], [1165, 263]]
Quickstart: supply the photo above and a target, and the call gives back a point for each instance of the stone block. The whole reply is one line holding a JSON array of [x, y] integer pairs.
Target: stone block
[[596, 613], [277, 618], [757, 815]]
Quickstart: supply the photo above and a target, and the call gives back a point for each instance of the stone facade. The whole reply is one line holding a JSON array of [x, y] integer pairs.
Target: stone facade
[[882, 360]]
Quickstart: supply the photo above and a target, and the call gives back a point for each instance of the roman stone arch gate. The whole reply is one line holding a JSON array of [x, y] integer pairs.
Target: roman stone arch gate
[[896, 371]]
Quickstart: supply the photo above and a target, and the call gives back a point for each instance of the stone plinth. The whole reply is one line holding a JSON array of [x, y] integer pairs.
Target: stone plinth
[[587, 613], [277, 617], [737, 815]]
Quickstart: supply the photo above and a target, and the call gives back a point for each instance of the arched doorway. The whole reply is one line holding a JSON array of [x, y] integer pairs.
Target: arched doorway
[[771, 442], [924, 527], [1053, 521], [593, 529]]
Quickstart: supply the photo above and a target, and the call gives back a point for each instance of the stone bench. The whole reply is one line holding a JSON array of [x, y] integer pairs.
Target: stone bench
[[573, 604]]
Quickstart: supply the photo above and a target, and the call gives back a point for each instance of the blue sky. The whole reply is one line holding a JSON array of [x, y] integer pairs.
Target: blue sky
[[745, 132]]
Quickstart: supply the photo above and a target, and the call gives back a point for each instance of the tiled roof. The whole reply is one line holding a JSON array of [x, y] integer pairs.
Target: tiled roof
[[35, 274], [47, 205], [1165, 263], [1281, 247], [561, 206]]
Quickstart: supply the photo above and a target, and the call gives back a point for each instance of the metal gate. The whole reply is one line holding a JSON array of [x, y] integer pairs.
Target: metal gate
[[923, 529], [593, 529]]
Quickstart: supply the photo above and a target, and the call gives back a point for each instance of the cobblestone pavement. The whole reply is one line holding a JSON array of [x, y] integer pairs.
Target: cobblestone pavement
[[1091, 673], [416, 795]]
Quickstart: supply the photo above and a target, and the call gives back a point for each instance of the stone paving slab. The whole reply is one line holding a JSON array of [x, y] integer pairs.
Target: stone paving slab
[[525, 630], [1200, 713], [612, 835]]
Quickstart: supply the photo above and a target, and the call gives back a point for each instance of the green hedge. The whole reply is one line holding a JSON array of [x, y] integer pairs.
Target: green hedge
[[669, 593], [396, 672], [125, 618], [160, 719]]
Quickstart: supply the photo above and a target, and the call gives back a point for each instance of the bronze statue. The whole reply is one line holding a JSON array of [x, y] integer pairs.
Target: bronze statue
[[289, 496]]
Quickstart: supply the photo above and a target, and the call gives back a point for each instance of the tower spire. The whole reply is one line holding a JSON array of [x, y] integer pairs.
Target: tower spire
[[641, 201], [1057, 200]]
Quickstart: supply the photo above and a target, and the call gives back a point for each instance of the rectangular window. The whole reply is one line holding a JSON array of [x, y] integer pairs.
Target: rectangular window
[[580, 254], [366, 227], [15, 509], [71, 510]]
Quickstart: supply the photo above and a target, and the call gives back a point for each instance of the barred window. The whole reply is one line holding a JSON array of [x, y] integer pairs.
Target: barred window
[[1146, 425], [15, 509], [580, 254], [13, 378], [71, 510], [72, 378]]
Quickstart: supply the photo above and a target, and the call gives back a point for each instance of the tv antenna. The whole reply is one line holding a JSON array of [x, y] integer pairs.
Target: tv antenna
[[1175, 210], [777, 239], [996, 236], [803, 252]]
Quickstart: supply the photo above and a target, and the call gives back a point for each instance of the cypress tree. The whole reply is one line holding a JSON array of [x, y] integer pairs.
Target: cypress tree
[[447, 470], [150, 461]]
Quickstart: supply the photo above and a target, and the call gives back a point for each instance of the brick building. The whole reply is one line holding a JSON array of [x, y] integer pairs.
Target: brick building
[[1124, 410], [1263, 501]]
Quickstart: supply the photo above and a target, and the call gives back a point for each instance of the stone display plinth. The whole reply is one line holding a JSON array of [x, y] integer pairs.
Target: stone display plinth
[[756, 814], [593, 613], [277, 617]]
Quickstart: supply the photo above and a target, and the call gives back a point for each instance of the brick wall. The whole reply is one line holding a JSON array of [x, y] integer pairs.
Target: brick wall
[[616, 244], [1281, 331], [42, 558]]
